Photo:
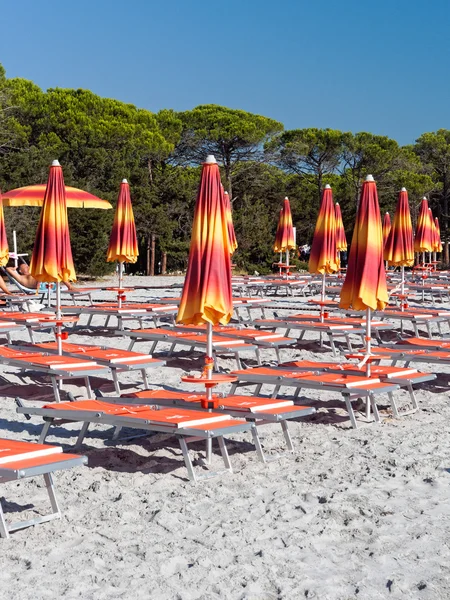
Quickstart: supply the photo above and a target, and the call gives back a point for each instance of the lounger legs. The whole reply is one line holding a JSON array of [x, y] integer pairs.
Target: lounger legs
[[188, 462], [144, 378], [5, 529], [287, 436], [44, 431], [116, 381], [351, 414], [56, 389]]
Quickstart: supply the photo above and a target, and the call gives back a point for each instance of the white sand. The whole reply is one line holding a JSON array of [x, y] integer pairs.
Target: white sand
[[353, 514]]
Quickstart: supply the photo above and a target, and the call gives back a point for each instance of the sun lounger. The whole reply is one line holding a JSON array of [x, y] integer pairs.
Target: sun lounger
[[114, 359], [348, 386], [33, 321], [192, 340], [58, 368], [22, 460], [331, 330], [130, 312], [401, 376], [186, 425], [261, 339], [260, 411]]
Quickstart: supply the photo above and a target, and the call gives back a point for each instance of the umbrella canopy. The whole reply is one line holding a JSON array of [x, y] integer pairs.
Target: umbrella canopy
[[52, 255], [278, 232], [365, 282], [323, 257], [206, 296], [230, 226], [285, 241], [4, 250], [123, 245], [386, 227], [33, 195], [341, 240], [438, 247], [423, 240], [399, 246]]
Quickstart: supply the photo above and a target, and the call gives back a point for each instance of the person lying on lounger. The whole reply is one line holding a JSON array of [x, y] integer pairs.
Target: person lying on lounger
[[4, 289], [24, 277]]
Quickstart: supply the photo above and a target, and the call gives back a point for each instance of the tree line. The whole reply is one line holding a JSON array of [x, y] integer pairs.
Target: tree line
[[99, 141]]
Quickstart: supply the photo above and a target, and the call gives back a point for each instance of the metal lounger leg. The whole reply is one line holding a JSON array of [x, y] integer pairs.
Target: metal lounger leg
[[233, 388], [108, 319], [153, 348], [287, 436], [171, 349], [413, 396], [116, 381], [187, 459], [257, 389], [258, 355], [117, 430], [82, 434], [331, 340], [55, 388], [376, 414], [258, 447], [45, 431], [4, 533], [351, 414], [393, 405], [224, 453], [277, 352], [87, 383], [238, 360], [276, 389]]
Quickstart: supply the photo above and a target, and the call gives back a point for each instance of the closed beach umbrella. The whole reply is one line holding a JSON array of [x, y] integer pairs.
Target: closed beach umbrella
[[123, 246], [230, 226], [52, 261], [285, 239], [386, 227], [399, 247], [364, 286], [4, 250], [33, 195], [438, 235], [341, 240], [323, 256], [423, 239], [207, 295]]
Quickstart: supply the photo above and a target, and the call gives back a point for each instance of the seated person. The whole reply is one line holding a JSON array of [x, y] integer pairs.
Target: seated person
[[24, 277]]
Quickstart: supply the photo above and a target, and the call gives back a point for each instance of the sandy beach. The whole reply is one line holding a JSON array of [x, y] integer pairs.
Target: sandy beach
[[353, 514]]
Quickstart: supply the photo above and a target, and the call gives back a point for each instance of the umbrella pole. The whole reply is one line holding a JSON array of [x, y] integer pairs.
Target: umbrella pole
[[281, 262], [16, 260], [368, 340], [58, 318], [120, 284], [287, 263], [209, 395]]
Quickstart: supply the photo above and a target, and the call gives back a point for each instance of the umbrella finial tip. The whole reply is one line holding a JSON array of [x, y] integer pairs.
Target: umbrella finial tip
[[328, 186], [55, 163], [286, 198], [370, 178], [124, 180], [403, 189], [210, 159], [225, 192]]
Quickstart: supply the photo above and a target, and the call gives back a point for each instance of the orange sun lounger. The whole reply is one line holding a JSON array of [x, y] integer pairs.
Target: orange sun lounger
[[261, 411], [347, 385], [222, 344], [58, 368], [112, 358], [22, 460], [186, 425], [128, 311]]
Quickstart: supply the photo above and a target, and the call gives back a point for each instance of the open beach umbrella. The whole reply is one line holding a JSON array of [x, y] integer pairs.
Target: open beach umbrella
[[33, 195], [399, 246], [230, 226], [323, 256], [423, 239], [386, 227], [123, 246], [365, 286], [207, 295], [52, 261], [285, 240], [4, 250]]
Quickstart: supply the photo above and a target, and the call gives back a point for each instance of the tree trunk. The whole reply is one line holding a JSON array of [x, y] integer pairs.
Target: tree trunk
[[152, 255], [164, 263], [445, 194], [147, 268]]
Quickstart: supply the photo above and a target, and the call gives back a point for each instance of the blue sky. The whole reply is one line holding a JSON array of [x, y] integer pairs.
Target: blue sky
[[352, 65]]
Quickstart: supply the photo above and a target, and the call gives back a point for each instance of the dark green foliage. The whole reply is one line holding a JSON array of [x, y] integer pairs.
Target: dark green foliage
[[100, 141]]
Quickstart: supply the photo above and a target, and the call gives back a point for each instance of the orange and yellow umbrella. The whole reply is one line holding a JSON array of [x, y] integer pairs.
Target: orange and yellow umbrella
[[230, 226], [438, 246], [386, 228], [123, 245], [365, 282], [52, 255], [341, 240], [423, 240], [323, 257], [365, 286], [284, 240], [4, 250], [33, 195], [206, 296], [399, 246]]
